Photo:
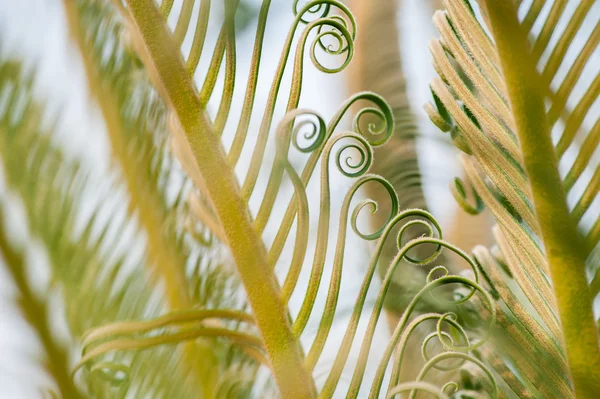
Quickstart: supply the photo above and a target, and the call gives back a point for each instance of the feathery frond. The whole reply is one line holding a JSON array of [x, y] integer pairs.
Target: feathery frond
[[84, 272], [486, 96], [306, 132]]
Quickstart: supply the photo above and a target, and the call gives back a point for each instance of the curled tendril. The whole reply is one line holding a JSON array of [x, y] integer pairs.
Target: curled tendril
[[348, 165], [335, 28], [460, 195], [338, 261], [406, 333], [457, 355], [444, 337], [430, 231], [375, 129], [354, 220], [404, 320], [431, 278], [451, 319], [275, 180], [342, 38], [417, 386], [474, 288], [381, 130], [422, 219], [342, 45], [320, 9], [374, 207], [312, 130]]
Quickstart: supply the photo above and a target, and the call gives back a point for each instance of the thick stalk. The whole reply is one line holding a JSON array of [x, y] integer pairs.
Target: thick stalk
[[168, 267], [246, 246], [563, 244], [34, 310]]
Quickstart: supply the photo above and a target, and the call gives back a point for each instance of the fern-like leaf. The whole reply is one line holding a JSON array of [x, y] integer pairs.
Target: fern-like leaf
[[490, 96], [86, 271], [198, 139]]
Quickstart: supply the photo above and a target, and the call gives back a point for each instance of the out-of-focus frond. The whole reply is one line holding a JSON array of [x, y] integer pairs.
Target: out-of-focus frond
[[55, 358], [136, 123], [475, 101], [49, 188], [96, 287]]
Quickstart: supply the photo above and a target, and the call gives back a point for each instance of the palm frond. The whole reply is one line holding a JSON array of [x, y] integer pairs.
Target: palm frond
[[54, 358], [135, 129], [480, 97], [306, 132], [87, 271]]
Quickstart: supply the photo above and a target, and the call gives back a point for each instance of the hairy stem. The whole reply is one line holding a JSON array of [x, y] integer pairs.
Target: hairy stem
[[56, 360], [223, 189], [563, 244]]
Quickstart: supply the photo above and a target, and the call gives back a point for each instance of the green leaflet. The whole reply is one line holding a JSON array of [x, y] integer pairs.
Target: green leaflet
[[476, 90]]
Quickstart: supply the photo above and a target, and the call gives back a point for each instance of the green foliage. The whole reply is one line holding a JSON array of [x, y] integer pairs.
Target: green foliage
[[179, 322]]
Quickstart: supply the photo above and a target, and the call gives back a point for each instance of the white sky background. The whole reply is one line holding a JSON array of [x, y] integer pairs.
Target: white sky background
[[36, 30]]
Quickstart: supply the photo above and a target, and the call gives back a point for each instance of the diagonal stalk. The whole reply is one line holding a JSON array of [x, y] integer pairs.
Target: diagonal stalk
[[36, 313], [246, 246], [564, 246]]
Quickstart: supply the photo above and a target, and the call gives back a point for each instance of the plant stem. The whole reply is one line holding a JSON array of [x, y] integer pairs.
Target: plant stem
[[34, 310], [223, 189], [563, 244]]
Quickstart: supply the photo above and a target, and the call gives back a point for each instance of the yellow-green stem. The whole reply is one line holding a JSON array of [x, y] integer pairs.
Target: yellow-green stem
[[564, 246], [223, 189]]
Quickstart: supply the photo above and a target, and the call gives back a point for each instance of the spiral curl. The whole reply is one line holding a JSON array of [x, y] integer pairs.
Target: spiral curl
[[348, 165], [445, 339], [342, 32], [403, 329], [374, 208], [457, 355], [312, 129], [374, 129], [343, 43], [336, 269]]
